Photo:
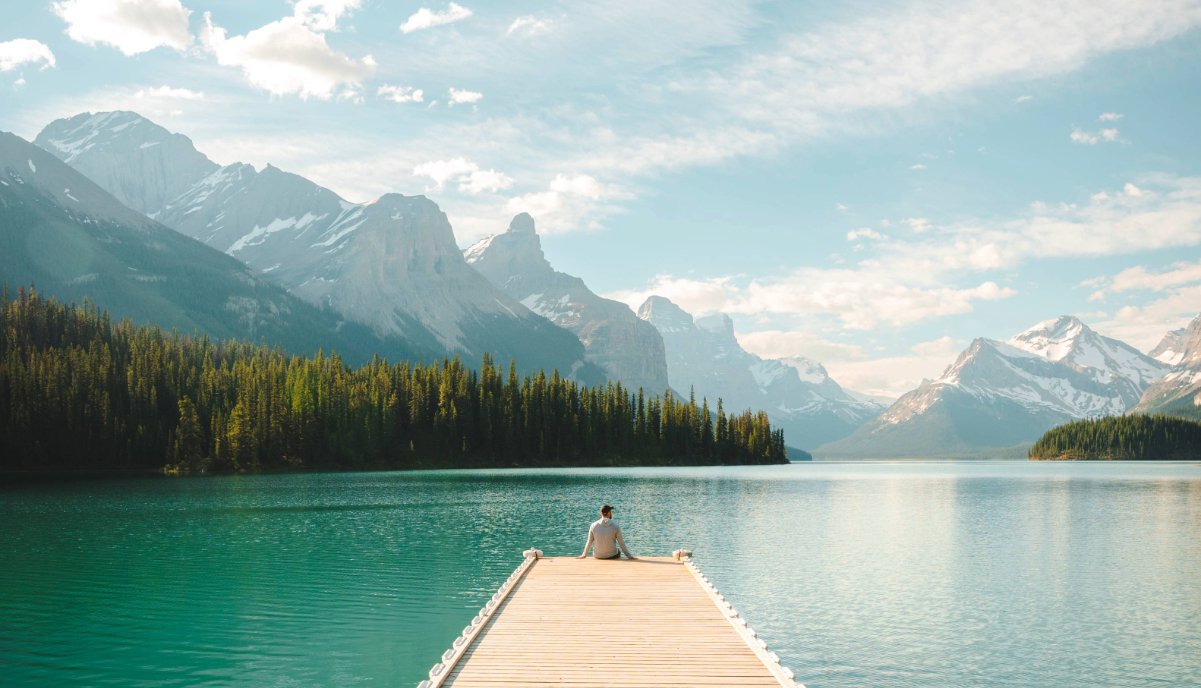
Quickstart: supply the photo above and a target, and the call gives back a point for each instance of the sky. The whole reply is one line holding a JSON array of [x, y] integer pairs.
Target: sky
[[871, 185]]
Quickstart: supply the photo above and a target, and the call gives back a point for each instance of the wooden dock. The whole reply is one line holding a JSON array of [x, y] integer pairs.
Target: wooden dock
[[586, 622]]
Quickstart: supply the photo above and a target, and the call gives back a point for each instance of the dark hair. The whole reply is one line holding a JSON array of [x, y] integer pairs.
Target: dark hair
[[606, 510]]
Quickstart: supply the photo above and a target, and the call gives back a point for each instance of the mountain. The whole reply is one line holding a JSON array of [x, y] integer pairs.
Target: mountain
[[1171, 348], [627, 348], [1179, 391], [798, 394], [140, 163], [998, 397], [392, 265], [71, 239]]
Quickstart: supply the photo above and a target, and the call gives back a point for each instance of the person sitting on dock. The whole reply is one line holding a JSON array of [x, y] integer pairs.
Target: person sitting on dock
[[604, 536]]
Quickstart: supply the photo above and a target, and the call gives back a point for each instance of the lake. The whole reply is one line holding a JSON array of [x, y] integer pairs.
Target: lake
[[901, 574]]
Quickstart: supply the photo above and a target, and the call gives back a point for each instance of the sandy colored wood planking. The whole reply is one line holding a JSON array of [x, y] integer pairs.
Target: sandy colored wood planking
[[656, 621]]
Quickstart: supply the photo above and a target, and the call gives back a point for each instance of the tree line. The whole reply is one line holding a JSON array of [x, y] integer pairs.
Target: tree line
[[1133, 437], [80, 392]]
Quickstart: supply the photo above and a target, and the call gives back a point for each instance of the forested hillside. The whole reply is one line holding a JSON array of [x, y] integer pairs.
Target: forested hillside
[[78, 392], [1134, 437]]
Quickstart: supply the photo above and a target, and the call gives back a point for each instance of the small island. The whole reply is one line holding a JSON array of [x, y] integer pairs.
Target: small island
[[1121, 438]]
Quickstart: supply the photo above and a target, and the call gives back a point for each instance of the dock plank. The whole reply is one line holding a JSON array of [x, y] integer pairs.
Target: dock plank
[[588, 622]]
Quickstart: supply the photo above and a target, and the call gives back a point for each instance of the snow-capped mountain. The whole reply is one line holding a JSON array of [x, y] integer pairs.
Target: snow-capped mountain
[[71, 239], [798, 395], [1171, 348], [140, 163], [998, 396], [1179, 391], [628, 349], [392, 265]]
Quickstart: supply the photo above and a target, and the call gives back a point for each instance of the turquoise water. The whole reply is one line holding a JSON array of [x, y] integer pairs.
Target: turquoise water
[[1002, 574]]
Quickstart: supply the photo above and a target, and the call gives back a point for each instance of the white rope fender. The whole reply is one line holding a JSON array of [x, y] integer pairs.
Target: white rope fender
[[748, 634], [440, 671]]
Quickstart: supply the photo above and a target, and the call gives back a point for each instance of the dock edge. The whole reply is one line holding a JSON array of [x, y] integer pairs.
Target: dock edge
[[441, 671], [771, 660]]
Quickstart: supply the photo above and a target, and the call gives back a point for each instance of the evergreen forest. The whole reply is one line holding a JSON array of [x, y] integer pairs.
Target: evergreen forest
[[79, 392], [1133, 437]]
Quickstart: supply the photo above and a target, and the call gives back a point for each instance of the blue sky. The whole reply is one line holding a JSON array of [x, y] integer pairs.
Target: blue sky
[[869, 184]]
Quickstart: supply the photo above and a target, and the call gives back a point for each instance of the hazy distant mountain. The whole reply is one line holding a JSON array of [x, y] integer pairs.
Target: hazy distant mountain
[[999, 396], [71, 239], [392, 265], [1171, 348], [798, 395], [625, 347], [1179, 391]]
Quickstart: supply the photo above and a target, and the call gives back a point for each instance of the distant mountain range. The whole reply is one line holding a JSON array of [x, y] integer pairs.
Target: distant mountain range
[[1179, 391], [628, 349], [798, 395], [392, 265], [998, 397], [133, 217], [69, 238]]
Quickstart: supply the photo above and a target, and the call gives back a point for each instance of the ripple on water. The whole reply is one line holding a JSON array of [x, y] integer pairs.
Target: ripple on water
[[886, 575]]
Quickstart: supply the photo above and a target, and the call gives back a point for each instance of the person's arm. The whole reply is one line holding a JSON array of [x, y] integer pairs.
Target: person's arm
[[622, 542], [587, 545]]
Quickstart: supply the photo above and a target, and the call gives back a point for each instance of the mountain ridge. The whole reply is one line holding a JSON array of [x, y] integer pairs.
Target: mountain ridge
[[391, 265]]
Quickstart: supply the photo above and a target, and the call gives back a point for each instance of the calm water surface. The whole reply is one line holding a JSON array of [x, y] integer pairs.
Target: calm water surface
[[1000, 574]]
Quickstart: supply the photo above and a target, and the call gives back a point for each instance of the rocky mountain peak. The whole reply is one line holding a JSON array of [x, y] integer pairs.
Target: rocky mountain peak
[[1170, 349], [717, 323], [1052, 339], [808, 370], [522, 223], [665, 315], [139, 162], [517, 251]]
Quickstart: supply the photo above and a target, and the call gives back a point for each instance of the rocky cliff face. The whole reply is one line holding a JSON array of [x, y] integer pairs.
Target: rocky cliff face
[[999, 396], [704, 355], [1179, 391], [392, 265], [626, 348]]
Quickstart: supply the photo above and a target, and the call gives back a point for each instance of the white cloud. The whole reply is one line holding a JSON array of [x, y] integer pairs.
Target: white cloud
[[917, 166], [1080, 136], [1144, 325], [841, 207], [921, 50], [697, 296], [569, 198], [401, 94], [456, 96], [1091, 138], [426, 18], [865, 233], [919, 225], [470, 178], [288, 56], [131, 26], [23, 51], [1109, 117], [323, 15], [851, 366], [528, 25], [1023, 99], [1139, 278], [168, 92]]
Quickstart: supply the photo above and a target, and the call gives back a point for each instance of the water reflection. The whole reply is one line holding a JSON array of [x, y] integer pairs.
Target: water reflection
[[901, 574]]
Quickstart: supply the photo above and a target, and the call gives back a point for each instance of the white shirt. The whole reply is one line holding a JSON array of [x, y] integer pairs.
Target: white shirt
[[603, 537]]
